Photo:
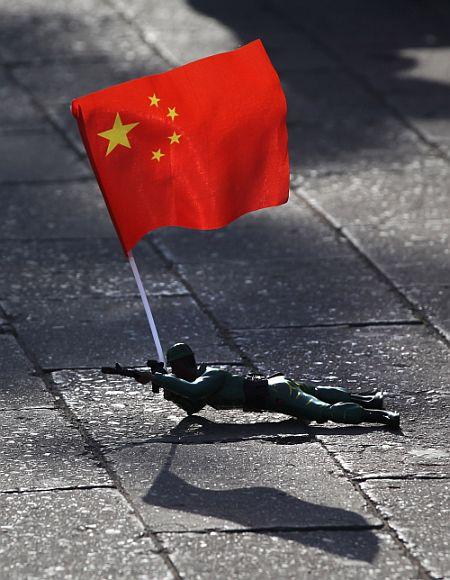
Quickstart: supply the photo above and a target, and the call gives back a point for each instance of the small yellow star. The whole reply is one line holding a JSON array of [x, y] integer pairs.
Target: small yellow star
[[117, 135], [157, 155], [174, 138], [154, 101], [172, 113]]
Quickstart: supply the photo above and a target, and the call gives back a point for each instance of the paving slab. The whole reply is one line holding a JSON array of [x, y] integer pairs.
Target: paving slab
[[294, 292], [213, 38], [118, 411], [409, 364], [39, 450], [72, 210], [343, 148], [58, 34], [58, 83], [414, 80], [18, 111], [387, 25], [434, 302], [419, 512], [331, 92], [47, 158], [289, 51], [288, 231], [398, 359], [179, 48], [69, 269], [81, 534], [17, 392], [315, 555], [368, 454], [267, 486], [410, 254], [176, 15], [403, 55], [336, 125], [43, 7], [97, 331], [417, 192], [12, 359]]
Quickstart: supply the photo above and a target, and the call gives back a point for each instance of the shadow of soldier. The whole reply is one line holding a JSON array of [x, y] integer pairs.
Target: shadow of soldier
[[289, 431], [261, 509]]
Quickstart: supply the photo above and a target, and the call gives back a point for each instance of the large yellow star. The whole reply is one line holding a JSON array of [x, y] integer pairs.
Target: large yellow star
[[172, 113], [157, 155], [174, 138], [118, 134], [154, 101]]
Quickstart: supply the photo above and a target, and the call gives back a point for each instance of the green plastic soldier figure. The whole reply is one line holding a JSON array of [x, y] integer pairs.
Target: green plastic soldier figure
[[192, 387]]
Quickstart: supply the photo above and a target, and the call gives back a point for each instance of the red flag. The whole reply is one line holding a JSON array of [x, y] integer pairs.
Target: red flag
[[197, 146]]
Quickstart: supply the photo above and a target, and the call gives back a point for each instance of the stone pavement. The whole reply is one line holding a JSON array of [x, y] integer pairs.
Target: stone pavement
[[348, 284]]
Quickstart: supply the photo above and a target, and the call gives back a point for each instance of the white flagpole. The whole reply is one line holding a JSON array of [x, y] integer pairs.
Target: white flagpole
[[147, 308]]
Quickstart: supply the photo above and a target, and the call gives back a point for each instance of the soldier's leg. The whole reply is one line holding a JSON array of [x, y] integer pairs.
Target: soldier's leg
[[289, 399], [332, 395]]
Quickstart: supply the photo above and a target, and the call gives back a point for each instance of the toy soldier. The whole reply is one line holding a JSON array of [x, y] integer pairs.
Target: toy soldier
[[192, 387]]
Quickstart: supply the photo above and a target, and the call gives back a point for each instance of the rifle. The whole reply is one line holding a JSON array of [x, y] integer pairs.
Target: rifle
[[157, 367], [118, 369]]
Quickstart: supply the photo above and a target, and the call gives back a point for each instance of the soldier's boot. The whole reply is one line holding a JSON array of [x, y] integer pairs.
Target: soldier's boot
[[374, 401], [388, 418]]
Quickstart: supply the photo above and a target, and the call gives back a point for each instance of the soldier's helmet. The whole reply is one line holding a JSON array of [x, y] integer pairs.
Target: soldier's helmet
[[179, 350]]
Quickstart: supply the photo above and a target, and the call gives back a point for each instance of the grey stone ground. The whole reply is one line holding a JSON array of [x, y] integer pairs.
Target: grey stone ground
[[348, 284]]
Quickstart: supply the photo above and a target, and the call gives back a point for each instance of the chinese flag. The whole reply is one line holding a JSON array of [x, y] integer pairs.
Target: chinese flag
[[197, 146]]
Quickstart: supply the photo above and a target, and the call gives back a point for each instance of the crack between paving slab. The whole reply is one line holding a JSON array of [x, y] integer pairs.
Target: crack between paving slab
[[226, 334], [299, 439], [60, 180], [47, 116], [327, 218], [360, 79], [37, 408], [160, 50], [332, 325], [38, 61], [332, 223], [93, 447], [421, 315], [387, 527], [405, 477], [229, 340], [314, 37], [271, 529], [58, 488], [223, 332]]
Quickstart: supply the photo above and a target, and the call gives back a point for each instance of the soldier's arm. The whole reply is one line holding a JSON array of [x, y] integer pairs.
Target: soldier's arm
[[202, 387], [190, 405]]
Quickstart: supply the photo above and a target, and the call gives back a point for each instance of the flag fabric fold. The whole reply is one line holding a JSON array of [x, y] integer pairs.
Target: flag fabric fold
[[197, 146]]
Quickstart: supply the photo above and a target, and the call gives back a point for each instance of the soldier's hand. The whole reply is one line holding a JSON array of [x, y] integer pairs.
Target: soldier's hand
[[156, 366], [143, 378]]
